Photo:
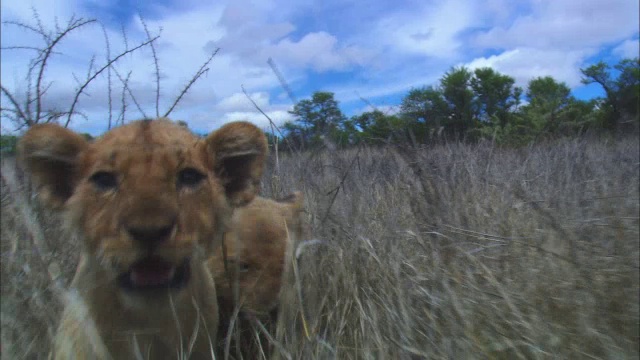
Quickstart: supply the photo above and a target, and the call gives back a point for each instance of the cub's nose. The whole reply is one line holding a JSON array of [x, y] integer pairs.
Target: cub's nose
[[151, 232]]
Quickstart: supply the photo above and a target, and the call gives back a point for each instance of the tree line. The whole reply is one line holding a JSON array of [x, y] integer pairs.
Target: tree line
[[469, 105]]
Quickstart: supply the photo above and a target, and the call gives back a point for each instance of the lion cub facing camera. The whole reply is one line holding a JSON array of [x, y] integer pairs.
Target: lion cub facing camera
[[150, 202]]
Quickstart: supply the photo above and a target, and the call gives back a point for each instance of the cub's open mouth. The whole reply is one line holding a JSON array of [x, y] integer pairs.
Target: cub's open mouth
[[155, 273]]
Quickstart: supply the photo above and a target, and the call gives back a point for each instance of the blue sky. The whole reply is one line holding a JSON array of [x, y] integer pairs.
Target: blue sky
[[374, 50]]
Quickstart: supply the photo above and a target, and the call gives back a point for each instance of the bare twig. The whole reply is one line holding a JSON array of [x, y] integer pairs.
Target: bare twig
[[22, 48], [336, 190], [73, 24], [268, 118], [203, 69], [125, 87], [90, 79], [38, 65], [125, 84], [16, 106], [109, 85], [125, 39], [41, 29], [25, 26], [155, 63]]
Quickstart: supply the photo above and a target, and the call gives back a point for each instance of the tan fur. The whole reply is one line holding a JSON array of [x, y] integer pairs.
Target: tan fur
[[255, 262], [255, 250], [156, 208]]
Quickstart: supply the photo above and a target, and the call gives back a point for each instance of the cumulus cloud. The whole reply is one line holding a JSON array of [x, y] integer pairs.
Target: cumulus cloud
[[253, 37], [247, 32], [432, 29], [237, 107], [568, 24], [240, 102], [279, 117], [523, 64], [628, 49], [319, 51]]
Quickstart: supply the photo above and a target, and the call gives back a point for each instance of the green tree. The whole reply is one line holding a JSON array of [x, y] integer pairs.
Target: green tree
[[425, 105], [495, 96], [547, 99], [272, 140], [578, 116], [551, 107], [8, 144], [320, 116], [517, 98], [424, 111], [622, 94], [375, 127], [547, 93], [456, 89], [295, 134]]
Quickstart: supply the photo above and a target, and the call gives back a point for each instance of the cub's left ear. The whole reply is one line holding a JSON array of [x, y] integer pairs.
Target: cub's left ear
[[50, 154], [239, 150]]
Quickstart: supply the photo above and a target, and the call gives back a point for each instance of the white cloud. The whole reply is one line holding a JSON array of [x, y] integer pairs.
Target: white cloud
[[523, 64], [240, 102], [319, 51], [554, 38], [355, 92], [247, 32], [253, 34], [432, 30], [279, 117], [568, 25], [628, 49], [47, 10]]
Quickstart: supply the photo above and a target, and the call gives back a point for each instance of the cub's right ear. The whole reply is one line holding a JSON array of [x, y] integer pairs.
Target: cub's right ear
[[49, 153], [239, 150]]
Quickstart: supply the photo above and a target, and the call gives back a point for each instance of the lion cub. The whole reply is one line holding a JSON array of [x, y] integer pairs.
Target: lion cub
[[150, 202], [255, 252], [249, 268]]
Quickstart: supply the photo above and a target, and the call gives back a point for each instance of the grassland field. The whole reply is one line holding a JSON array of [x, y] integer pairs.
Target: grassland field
[[453, 251]]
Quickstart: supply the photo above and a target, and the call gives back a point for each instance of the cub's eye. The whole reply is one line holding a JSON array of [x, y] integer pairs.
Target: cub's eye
[[239, 266], [104, 180], [243, 267], [190, 177]]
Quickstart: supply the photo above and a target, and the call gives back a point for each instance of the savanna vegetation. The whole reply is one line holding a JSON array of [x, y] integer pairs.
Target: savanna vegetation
[[453, 251], [480, 221], [470, 105]]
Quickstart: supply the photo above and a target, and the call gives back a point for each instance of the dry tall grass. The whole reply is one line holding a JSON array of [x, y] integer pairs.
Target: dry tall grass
[[457, 251]]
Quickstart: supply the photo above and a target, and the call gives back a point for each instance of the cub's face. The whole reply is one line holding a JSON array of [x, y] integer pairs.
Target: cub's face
[[249, 272], [149, 199]]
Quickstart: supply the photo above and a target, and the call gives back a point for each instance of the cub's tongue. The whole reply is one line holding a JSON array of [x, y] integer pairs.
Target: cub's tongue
[[152, 272]]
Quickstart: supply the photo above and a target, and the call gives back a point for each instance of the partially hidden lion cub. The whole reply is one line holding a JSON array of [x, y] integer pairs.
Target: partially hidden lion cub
[[249, 268], [150, 203], [255, 252]]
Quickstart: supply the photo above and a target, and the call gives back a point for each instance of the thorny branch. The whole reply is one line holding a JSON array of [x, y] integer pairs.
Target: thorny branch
[[109, 85], [88, 81], [203, 70], [20, 112], [73, 24], [156, 64]]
